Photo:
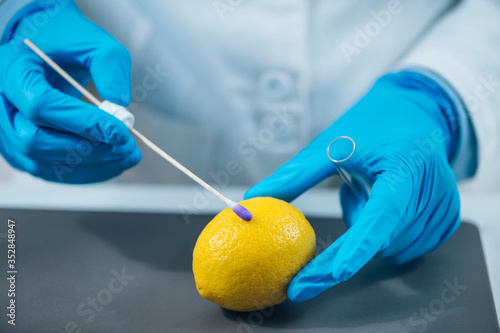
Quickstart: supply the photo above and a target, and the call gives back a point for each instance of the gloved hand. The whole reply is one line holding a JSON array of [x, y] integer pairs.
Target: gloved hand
[[44, 128], [406, 132]]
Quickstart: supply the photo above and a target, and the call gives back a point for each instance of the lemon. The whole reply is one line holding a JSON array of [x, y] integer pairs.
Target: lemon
[[246, 266]]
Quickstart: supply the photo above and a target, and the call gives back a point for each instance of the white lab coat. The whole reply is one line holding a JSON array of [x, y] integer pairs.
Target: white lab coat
[[250, 83]]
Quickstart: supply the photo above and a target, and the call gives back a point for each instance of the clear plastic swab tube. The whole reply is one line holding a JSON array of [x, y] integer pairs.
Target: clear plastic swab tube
[[343, 148]]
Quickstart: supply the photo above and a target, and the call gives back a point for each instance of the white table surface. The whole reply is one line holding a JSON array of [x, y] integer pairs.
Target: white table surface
[[483, 210]]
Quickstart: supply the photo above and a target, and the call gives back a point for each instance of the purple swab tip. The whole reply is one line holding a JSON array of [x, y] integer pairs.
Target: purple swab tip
[[241, 211]]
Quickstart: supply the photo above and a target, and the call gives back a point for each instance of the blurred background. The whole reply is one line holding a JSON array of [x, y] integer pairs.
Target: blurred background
[[203, 90]]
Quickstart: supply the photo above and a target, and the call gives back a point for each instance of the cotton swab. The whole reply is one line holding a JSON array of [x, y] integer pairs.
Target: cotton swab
[[239, 210]]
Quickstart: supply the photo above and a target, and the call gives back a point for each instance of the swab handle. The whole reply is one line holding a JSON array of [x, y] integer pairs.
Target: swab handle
[[128, 119], [119, 112]]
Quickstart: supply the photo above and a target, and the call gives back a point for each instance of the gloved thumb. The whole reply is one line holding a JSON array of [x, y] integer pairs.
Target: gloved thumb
[[298, 175], [352, 205], [368, 234], [110, 68]]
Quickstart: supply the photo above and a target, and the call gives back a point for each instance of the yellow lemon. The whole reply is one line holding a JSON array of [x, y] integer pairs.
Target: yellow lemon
[[245, 266]]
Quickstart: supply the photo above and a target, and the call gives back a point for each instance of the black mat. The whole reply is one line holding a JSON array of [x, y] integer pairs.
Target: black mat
[[109, 272]]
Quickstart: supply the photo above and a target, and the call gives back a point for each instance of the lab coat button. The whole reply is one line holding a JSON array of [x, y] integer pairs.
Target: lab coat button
[[275, 85], [279, 128]]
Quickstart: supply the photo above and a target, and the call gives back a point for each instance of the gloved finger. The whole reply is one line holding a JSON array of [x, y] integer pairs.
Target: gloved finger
[[351, 205], [92, 47], [66, 146], [309, 167], [110, 65], [46, 144], [83, 174], [440, 225], [77, 72], [45, 106], [367, 235]]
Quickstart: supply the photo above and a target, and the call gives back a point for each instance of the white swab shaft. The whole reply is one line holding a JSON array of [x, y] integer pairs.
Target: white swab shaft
[[146, 141], [179, 166], [62, 72]]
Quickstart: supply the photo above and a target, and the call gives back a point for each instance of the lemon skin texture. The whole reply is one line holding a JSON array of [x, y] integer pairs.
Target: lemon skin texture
[[246, 266]]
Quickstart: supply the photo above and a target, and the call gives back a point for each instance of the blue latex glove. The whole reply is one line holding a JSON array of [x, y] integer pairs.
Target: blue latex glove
[[406, 130], [44, 128]]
